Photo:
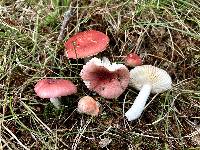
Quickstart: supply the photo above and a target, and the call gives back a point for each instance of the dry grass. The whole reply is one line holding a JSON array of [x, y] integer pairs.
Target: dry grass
[[165, 34]]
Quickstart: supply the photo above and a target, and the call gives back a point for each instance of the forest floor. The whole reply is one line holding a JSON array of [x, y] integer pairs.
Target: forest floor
[[165, 34]]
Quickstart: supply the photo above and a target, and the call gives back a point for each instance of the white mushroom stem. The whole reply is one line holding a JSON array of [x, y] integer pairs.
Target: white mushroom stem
[[106, 61], [86, 59], [56, 102], [138, 106]]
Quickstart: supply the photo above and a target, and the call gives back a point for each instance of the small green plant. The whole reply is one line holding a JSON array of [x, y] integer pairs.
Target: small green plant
[[59, 7]]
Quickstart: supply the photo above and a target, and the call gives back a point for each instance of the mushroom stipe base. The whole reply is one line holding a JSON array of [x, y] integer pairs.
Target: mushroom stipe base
[[56, 102]]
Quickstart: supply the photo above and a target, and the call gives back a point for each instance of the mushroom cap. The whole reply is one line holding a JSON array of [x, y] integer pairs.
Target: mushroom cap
[[108, 80], [133, 60], [85, 44], [88, 106], [158, 78], [51, 88]]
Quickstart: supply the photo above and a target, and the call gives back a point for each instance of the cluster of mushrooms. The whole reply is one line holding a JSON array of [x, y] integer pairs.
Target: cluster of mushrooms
[[107, 79]]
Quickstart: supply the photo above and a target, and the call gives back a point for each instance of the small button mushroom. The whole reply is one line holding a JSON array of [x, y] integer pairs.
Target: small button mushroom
[[147, 79], [54, 88], [133, 60], [86, 44], [88, 106], [108, 80]]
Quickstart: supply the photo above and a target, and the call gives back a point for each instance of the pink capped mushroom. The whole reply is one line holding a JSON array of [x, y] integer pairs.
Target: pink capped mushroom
[[133, 60], [53, 89], [86, 44], [88, 106], [108, 80]]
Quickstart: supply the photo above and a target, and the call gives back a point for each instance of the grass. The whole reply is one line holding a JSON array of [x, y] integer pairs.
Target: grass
[[164, 33]]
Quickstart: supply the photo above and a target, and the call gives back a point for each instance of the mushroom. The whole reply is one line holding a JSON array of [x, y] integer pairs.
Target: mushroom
[[148, 79], [54, 88], [108, 80], [88, 106], [85, 44], [133, 60]]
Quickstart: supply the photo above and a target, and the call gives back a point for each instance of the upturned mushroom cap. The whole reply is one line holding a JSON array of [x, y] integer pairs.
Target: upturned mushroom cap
[[158, 78], [85, 44], [88, 106], [108, 80], [51, 88]]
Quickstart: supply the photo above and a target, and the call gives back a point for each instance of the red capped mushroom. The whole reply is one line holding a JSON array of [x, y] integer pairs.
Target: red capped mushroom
[[133, 60], [86, 44], [108, 80], [54, 88]]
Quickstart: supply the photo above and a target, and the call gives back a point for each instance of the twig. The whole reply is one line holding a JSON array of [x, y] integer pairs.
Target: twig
[[6, 144], [20, 143], [38, 119], [67, 15], [80, 134]]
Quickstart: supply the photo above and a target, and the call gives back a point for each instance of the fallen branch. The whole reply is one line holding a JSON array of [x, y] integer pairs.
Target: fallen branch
[[67, 15]]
